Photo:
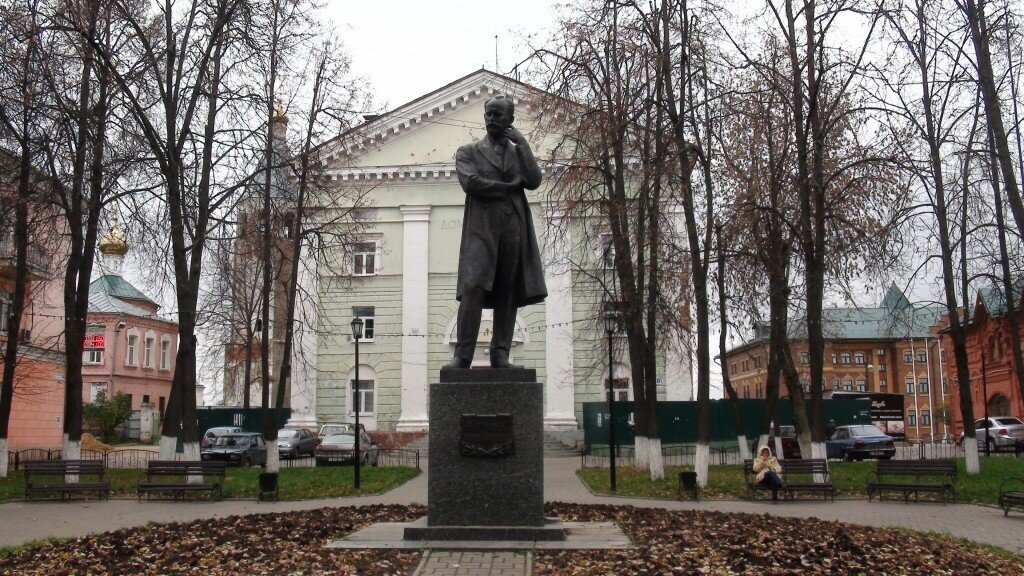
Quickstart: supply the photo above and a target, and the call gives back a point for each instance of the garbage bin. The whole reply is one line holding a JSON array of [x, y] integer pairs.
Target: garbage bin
[[268, 486], [688, 486]]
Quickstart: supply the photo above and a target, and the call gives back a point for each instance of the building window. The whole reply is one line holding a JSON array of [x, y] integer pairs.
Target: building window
[[881, 367], [732, 368], [882, 384], [858, 358], [757, 362], [862, 385], [805, 358], [944, 390], [5, 310], [367, 313], [746, 391], [910, 385], [908, 357], [133, 344], [911, 418], [942, 357], [162, 402], [835, 358], [760, 391], [847, 385], [922, 357], [846, 357], [880, 352], [745, 365], [148, 353], [92, 357], [165, 354], [922, 386], [364, 259], [926, 418], [95, 389], [145, 398], [365, 397], [620, 389]]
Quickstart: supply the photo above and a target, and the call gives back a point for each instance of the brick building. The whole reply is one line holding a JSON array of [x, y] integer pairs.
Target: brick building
[[890, 348]]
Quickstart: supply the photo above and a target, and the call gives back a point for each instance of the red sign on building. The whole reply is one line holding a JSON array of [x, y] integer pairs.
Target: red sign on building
[[95, 337]]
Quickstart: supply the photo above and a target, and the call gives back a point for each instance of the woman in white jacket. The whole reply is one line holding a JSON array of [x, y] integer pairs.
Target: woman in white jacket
[[768, 469]]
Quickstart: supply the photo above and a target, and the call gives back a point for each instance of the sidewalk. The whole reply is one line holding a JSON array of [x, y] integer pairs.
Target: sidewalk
[[26, 521]]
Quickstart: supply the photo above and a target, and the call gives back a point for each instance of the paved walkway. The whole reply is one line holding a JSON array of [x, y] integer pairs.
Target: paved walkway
[[23, 522], [443, 563]]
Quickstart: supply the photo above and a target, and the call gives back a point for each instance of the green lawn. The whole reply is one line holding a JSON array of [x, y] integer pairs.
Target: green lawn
[[850, 479], [294, 483]]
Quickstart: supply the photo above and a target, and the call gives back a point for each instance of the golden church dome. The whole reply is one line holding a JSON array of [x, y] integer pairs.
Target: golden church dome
[[114, 242]]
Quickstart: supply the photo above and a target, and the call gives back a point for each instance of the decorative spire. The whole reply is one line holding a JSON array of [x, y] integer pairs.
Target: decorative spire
[[279, 115], [113, 246]]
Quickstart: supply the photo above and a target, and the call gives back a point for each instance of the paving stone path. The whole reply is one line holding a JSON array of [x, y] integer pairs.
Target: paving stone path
[[21, 522], [445, 563]]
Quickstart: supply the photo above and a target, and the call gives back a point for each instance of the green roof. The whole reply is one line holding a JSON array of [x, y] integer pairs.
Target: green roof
[[118, 287], [994, 299]]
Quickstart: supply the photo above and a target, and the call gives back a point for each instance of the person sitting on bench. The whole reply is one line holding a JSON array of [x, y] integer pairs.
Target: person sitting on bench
[[768, 469]]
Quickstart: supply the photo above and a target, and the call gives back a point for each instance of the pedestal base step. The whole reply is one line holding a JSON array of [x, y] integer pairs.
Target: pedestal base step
[[552, 531]]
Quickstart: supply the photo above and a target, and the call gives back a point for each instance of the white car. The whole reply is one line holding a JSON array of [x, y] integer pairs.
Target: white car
[[1002, 431]]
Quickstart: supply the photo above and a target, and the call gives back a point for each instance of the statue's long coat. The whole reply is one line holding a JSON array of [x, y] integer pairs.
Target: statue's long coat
[[480, 169]]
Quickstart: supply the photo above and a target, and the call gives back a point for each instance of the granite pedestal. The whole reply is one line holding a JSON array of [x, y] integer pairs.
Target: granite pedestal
[[486, 466]]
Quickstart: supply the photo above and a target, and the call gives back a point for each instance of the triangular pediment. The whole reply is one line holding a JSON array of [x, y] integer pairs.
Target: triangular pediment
[[427, 131]]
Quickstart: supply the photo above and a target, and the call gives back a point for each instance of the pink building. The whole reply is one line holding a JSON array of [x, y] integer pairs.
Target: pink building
[[130, 347]]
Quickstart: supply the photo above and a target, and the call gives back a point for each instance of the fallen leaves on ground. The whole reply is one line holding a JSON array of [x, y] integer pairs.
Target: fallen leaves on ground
[[667, 543], [698, 542]]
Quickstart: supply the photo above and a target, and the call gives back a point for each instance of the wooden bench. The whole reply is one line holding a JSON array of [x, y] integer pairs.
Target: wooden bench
[[1010, 498], [797, 476], [174, 477], [49, 476], [914, 477], [810, 475]]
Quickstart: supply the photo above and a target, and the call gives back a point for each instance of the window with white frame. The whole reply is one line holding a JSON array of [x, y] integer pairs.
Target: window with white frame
[[880, 352], [147, 352], [910, 384], [908, 357], [944, 389], [922, 357], [92, 357], [165, 354], [366, 313], [95, 389], [132, 355], [858, 358], [846, 357], [926, 418], [835, 358], [365, 260], [922, 385], [620, 389], [911, 418], [862, 385], [365, 392], [882, 383], [847, 385], [881, 366]]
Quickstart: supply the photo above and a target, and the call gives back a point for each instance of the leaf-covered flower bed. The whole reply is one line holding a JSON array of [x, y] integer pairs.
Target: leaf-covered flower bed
[[667, 543], [698, 542], [283, 543]]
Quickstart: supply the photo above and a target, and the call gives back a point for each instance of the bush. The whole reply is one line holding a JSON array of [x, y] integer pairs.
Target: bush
[[106, 415]]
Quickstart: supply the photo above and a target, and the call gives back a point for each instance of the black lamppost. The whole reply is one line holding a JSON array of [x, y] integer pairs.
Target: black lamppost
[[612, 319], [357, 334]]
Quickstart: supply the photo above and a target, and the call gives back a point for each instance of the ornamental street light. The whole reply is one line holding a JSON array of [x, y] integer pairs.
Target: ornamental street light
[[357, 334], [612, 321]]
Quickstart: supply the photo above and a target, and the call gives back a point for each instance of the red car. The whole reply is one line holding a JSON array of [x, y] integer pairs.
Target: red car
[[790, 445]]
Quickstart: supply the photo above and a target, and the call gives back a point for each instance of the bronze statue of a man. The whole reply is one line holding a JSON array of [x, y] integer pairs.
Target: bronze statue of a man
[[499, 260]]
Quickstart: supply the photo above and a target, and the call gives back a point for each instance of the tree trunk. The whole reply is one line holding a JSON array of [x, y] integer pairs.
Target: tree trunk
[[723, 328]]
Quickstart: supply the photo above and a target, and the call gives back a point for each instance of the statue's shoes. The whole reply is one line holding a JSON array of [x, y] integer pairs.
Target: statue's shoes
[[459, 363]]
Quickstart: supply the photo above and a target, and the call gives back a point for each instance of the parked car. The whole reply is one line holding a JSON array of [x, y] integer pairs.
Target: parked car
[[292, 442], [341, 449], [210, 438], [860, 441], [790, 445], [245, 449], [1002, 431], [339, 428]]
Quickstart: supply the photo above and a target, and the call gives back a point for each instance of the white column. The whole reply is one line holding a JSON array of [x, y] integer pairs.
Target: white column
[[304, 348], [415, 309], [559, 385]]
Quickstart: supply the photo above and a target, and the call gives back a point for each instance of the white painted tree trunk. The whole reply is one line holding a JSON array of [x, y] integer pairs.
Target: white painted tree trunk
[[762, 440], [192, 455], [777, 449], [641, 455], [971, 456], [3, 457], [168, 445], [744, 447], [655, 463], [701, 460], [819, 452], [273, 457], [70, 451]]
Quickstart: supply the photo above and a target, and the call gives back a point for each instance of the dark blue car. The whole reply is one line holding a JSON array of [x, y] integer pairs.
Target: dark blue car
[[860, 441]]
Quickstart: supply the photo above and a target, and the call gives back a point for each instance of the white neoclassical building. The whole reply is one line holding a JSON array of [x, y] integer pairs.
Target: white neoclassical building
[[400, 278]]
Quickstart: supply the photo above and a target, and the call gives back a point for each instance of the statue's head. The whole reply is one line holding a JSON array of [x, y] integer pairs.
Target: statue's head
[[499, 113]]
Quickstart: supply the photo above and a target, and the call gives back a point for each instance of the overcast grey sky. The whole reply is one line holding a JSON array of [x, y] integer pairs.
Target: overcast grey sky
[[407, 48]]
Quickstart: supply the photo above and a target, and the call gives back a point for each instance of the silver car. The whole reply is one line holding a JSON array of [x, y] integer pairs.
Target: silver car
[[1002, 431], [292, 443], [340, 449]]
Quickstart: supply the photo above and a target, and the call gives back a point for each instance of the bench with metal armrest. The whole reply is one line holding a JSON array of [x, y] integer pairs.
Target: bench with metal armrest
[[180, 478]]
